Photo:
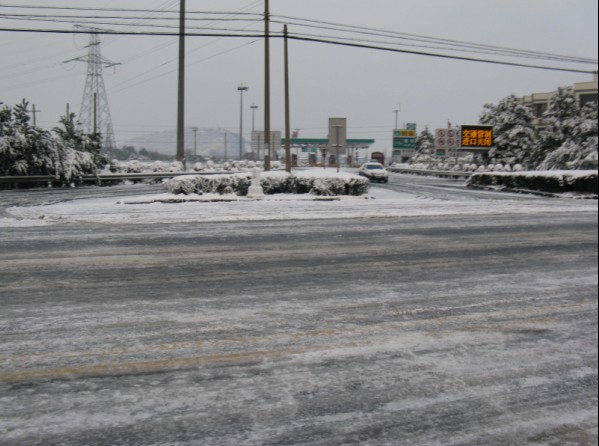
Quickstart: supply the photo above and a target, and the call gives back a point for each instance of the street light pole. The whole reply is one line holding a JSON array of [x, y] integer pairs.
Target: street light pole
[[241, 89], [253, 107]]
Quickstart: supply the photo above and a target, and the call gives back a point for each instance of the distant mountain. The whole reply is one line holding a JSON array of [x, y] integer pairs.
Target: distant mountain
[[210, 142]]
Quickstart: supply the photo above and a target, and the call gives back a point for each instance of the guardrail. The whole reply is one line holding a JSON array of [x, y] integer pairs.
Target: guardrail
[[439, 173], [101, 177], [161, 175]]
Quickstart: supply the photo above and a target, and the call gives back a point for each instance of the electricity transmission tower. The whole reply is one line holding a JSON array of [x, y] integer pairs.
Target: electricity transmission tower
[[94, 113]]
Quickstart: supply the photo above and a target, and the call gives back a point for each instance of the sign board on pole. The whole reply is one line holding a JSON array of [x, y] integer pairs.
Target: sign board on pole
[[476, 136], [447, 138], [337, 134], [257, 143], [405, 138]]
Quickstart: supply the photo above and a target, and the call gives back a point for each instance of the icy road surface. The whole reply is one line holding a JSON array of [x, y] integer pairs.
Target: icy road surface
[[411, 318]]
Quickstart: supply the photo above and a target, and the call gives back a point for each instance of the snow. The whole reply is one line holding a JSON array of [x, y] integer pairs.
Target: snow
[[558, 174], [439, 355], [380, 202]]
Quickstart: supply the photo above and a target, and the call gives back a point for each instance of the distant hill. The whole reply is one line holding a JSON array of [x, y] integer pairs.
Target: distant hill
[[210, 142]]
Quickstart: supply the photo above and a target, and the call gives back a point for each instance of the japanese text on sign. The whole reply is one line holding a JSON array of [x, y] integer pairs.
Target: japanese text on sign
[[477, 136]]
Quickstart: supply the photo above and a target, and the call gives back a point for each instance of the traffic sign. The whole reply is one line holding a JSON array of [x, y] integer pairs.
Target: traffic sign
[[405, 138], [447, 138], [477, 136], [404, 142]]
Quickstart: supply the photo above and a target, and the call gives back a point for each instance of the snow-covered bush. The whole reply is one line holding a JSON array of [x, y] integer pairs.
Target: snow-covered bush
[[160, 166], [310, 182], [210, 184], [548, 181], [133, 166], [176, 166], [322, 183], [277, 183]]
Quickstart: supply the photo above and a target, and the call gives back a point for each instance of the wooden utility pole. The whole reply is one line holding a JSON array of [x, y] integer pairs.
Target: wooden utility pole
[[287, 130], [266, 87], [181, 86], [34, 113], [95, 114]]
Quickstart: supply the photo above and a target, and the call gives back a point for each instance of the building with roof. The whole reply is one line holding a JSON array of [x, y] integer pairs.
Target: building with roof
[[585, 92]]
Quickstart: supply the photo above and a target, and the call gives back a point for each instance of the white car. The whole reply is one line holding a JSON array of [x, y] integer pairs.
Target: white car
[[374, 172]]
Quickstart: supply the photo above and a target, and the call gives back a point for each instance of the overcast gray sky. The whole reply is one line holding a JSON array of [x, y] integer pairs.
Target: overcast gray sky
[[363, 85]]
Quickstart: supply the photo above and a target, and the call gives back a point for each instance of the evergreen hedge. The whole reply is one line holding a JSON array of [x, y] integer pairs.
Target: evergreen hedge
[[559, 181], [271, 182]]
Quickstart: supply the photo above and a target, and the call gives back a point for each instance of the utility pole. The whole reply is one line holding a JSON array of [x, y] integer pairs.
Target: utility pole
[[287, 129], [195, 146], [266, 87], [181, 87], [34, 112], [95, 114]]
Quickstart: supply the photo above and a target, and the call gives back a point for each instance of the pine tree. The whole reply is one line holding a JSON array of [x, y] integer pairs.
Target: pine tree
[[557, 122], [425, 142], [73, 137], [513, 130], [578, 150], [30, 150], [25, 149]]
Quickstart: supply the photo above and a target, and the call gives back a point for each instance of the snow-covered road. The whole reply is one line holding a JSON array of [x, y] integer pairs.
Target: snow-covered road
[[449, 321], [156, 207]]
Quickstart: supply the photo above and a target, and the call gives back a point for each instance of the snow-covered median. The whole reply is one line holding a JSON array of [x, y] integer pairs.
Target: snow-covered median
[[194, 209]]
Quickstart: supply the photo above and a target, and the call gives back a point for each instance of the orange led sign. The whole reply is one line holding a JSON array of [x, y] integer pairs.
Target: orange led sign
[[477, 136]]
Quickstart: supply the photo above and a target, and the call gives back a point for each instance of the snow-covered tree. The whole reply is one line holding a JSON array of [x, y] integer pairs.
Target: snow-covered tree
[[73, 137], [558, 123], [29, 150], [578, 150], [425, 142], [24, 149], [513, 130]]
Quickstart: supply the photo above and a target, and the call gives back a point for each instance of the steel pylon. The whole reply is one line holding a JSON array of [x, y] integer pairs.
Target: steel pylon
[[94, 114]]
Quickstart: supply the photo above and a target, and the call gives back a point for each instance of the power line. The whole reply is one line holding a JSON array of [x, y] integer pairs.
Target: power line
[[299, 38], [136, 10], [495, 53], [446, 44], [395, 34], [115, 88], [443, 56]]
